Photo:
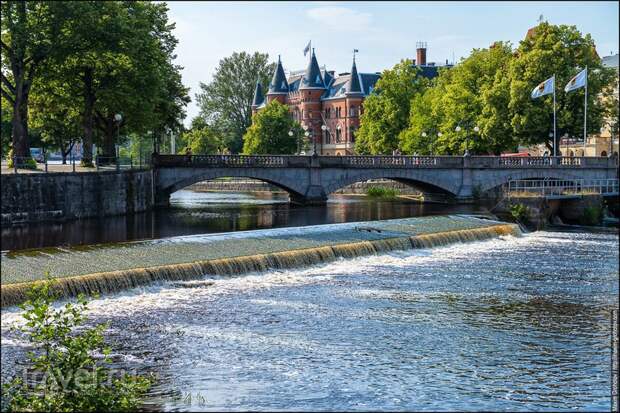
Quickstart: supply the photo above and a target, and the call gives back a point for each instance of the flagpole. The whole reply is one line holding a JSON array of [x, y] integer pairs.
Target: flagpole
[[555, 138], [585, 115]]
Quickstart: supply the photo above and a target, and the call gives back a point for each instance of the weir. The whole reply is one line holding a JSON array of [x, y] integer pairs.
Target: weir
[[339, 241]]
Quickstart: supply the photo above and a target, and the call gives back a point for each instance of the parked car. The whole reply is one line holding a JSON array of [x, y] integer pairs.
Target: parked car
[[37, 154]]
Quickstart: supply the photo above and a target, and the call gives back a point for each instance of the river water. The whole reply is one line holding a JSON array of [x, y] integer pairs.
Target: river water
[[208, 212], [519, 323], [516, 323]]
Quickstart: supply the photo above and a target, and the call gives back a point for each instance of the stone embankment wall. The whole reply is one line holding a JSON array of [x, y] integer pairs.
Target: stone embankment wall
[[246, 185], [30, 198]]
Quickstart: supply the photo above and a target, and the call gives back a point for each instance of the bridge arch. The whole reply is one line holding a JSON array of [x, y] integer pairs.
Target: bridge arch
[[174, 180], [426, 179]]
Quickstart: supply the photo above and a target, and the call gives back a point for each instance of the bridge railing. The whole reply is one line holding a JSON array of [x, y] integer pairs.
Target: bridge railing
[[559, 187], [291, 161]]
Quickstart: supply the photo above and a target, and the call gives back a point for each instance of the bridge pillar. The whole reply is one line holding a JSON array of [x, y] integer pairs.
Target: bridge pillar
[[315, 193], [162, 199], [466, 194]]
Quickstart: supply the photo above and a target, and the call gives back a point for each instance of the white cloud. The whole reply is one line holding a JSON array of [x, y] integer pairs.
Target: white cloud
[[340, 18]]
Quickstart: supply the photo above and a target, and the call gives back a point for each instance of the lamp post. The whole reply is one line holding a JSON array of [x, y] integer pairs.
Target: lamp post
[[118, 118], [290, 134], [324, 129]]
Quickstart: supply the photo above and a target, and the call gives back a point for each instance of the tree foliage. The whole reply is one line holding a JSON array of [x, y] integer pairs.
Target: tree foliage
[[492, 89], [96, 60], [32, 32], [473, 93], [269, 132], [72, 377], [563, 51], [202, 139], [386, 111], [225, 101]]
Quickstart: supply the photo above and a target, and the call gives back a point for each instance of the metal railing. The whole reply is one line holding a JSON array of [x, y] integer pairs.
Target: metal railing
[[557, 187], [25, 164], [381, 161]]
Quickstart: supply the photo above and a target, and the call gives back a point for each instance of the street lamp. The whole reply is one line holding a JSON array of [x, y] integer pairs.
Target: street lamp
[[325, 131], [118, 118]]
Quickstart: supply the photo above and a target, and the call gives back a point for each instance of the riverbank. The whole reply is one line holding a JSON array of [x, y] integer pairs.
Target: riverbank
[[108, 268]]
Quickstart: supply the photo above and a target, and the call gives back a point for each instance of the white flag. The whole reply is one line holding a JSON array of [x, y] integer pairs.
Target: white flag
[[578, 81], [545, 88], [307, 48]]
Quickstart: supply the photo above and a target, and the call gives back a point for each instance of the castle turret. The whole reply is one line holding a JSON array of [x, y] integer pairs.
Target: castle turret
[[278, 88], [354, 86], [312, 88], [258, 97]]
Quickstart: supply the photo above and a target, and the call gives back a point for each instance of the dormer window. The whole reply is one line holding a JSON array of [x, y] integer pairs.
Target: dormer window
[[318, 79]]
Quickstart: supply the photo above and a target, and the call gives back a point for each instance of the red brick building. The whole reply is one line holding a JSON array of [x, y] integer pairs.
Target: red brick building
[[318, 97]]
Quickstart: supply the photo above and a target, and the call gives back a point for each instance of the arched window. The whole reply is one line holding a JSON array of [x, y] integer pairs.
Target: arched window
[[604, 153]]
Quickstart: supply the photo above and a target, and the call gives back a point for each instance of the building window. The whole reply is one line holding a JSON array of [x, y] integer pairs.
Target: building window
[[352, 111], [338, 135], [326, 136], [352, 135]]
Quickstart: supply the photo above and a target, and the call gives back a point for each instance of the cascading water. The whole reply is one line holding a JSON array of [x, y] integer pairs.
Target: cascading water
[[112, 281]]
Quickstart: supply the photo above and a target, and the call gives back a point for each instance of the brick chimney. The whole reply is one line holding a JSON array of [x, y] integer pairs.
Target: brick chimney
[[421, 53]]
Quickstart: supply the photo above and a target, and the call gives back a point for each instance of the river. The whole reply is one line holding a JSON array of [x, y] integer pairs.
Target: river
[[516, 323], [208, 212]]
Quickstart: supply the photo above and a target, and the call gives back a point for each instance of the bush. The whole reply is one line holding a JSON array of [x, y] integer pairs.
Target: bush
[[69, 377], [27, 163], [381, 192], [592, 215], [519, 212]]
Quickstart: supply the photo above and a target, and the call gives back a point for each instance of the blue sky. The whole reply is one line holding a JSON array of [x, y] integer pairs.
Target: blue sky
[[384, 32]]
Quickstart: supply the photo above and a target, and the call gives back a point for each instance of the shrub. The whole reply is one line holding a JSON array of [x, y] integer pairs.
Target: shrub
[[69, 377], [519, 212], [592, 215], [381, 192], [27, 163]]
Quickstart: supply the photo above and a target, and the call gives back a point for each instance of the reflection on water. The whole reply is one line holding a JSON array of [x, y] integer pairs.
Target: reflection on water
[[206, 212], [503, 325]]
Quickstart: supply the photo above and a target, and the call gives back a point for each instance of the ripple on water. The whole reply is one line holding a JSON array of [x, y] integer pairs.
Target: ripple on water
[[511, 324]]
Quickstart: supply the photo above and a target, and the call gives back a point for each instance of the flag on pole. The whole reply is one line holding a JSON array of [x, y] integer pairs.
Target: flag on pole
[[545, 88], [307, 48], [578, 81]]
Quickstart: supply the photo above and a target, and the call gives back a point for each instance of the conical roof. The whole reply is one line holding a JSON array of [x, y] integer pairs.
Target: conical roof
[[312, 78], [354, 86], [258, 95], [278, 82]]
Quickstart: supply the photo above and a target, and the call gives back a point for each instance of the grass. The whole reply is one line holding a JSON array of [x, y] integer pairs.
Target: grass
[[382, 192]]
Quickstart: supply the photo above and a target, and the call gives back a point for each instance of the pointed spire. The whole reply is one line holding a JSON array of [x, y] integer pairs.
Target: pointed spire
[[278, 84], [354, 86], [258, 95], [312, 78]]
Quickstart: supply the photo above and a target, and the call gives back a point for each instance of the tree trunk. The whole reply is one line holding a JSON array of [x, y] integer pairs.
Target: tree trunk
[[109, 137], [19, 123], [89, 105]]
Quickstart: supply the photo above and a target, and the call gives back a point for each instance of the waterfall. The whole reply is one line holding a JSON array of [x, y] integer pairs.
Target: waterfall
[[108, 282]]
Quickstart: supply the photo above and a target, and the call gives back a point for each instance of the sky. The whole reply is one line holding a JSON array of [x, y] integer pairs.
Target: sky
[[383, 32]]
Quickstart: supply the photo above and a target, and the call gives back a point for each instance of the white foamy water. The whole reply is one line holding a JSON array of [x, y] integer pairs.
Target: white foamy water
[[514, 323]]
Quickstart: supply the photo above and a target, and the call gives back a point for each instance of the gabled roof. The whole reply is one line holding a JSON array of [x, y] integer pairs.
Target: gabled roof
[[258, 95], [354, 86], [312, 78], [278, 83], [339, 86]]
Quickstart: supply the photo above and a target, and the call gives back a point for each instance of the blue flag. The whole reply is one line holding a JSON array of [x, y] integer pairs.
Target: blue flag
[[545, 88], [307, 48], [578, 81]]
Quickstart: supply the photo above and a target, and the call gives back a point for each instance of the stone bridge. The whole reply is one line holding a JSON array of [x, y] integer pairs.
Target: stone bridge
[[310, 179]]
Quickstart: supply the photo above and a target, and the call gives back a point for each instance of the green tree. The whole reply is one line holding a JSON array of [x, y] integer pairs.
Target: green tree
[[202, 139], [225, 101], [64, 356], [473, 93], [386, 111], [120, 63], [561, 50], [31, 34], [268, 133]]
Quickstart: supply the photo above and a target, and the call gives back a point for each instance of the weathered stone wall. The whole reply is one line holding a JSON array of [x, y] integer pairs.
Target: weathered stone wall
[[59, 196]]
